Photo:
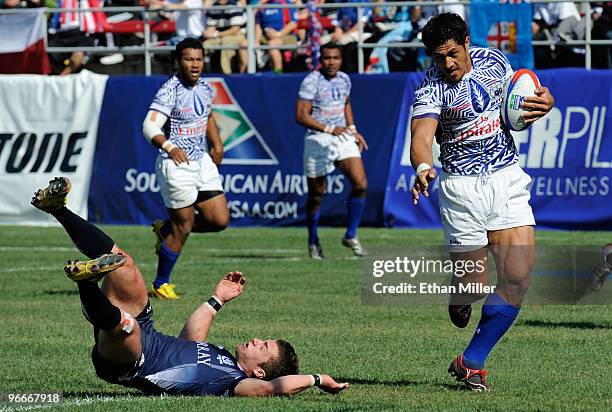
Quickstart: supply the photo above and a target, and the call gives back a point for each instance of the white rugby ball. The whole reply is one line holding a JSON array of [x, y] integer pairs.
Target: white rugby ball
[[522, 84]]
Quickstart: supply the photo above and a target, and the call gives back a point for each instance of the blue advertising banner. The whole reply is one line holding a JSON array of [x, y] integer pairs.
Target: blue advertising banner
[[262, 171], [568, 154], [505, 26]]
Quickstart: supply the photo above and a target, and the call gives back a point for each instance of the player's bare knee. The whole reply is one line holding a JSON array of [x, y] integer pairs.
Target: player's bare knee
[[129, 262], [218, 225], [359, 187], [316, 198], [514, 291], [359, 190], [222, 222], [182, 228], [314, 201]]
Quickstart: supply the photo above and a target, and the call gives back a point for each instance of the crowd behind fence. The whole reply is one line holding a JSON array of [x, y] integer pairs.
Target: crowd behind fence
[[284, 35]]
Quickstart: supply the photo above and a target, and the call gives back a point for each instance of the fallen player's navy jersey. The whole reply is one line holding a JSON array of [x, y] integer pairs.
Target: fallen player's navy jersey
[[181, 367], [177, 366]]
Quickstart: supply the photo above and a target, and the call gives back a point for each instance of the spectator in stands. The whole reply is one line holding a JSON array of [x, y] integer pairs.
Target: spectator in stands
[[451, 8], [227, 27], [276, 27], [190, 17], [10, 4], [346, 33], [347, 26], [558, 21], [65, 30], [602, 30], [562, 19], [395, 24]]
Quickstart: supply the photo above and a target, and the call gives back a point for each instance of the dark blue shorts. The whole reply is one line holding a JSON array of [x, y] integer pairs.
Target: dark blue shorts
[[121, 374]]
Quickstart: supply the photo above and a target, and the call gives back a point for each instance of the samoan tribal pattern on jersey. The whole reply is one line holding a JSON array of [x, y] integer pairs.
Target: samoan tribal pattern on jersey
[[187, 109], [181, 367], [470, 132], [328, 97]]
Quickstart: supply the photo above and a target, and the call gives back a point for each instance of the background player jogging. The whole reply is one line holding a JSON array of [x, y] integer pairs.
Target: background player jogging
[[186, 168], [332, 140]]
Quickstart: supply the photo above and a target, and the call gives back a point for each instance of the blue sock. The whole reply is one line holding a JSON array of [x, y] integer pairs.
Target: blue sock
[[165, 263], [312, 222], [497, 317], [355, 210]]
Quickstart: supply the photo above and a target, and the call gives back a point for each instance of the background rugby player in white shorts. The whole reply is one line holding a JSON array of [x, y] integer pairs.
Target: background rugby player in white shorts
[[323, 106], [484, 194], [186, 169]]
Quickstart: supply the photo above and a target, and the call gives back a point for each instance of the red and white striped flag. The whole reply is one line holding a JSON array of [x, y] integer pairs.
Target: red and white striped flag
[[22, 49], [86, 21], [69, 19], [93, 21]]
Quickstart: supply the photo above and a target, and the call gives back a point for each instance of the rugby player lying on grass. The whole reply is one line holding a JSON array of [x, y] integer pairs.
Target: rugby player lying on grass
[[130, 352]]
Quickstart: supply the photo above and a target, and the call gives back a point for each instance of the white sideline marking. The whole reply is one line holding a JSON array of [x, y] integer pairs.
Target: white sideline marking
[[36, 248], [218, 250], [239, 255], [30, 269], [69, 249]]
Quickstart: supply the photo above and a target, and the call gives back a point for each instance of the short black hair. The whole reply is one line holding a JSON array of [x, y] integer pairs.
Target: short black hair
[[187, 43], [286, 363], [442, 28], [330, 46]]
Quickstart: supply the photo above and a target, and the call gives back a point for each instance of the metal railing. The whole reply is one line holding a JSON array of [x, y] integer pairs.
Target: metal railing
[[147, 49]]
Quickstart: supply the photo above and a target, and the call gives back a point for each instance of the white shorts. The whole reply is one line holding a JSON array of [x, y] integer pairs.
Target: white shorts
[[179, 185], [323, 150], [472, 205]]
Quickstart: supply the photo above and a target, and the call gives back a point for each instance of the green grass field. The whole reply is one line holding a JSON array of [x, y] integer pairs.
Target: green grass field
[[554, 357]]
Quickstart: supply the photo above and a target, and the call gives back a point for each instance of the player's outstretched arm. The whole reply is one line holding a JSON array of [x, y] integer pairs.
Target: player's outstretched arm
[[197, 326], [421, 154], [287, 385]]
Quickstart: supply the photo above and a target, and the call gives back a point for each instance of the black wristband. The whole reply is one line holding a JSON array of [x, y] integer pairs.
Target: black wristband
[[317, 379], [214, 303]]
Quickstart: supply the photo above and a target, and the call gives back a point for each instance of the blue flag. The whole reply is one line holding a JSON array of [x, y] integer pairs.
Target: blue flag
[[506, 26]]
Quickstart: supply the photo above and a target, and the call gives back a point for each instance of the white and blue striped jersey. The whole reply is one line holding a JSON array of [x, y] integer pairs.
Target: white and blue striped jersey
[[470, 132], [188, 109], [328, 97]]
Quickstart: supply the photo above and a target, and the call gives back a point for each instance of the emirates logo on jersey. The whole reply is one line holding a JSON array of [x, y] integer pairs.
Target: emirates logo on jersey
[[480, 97]]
